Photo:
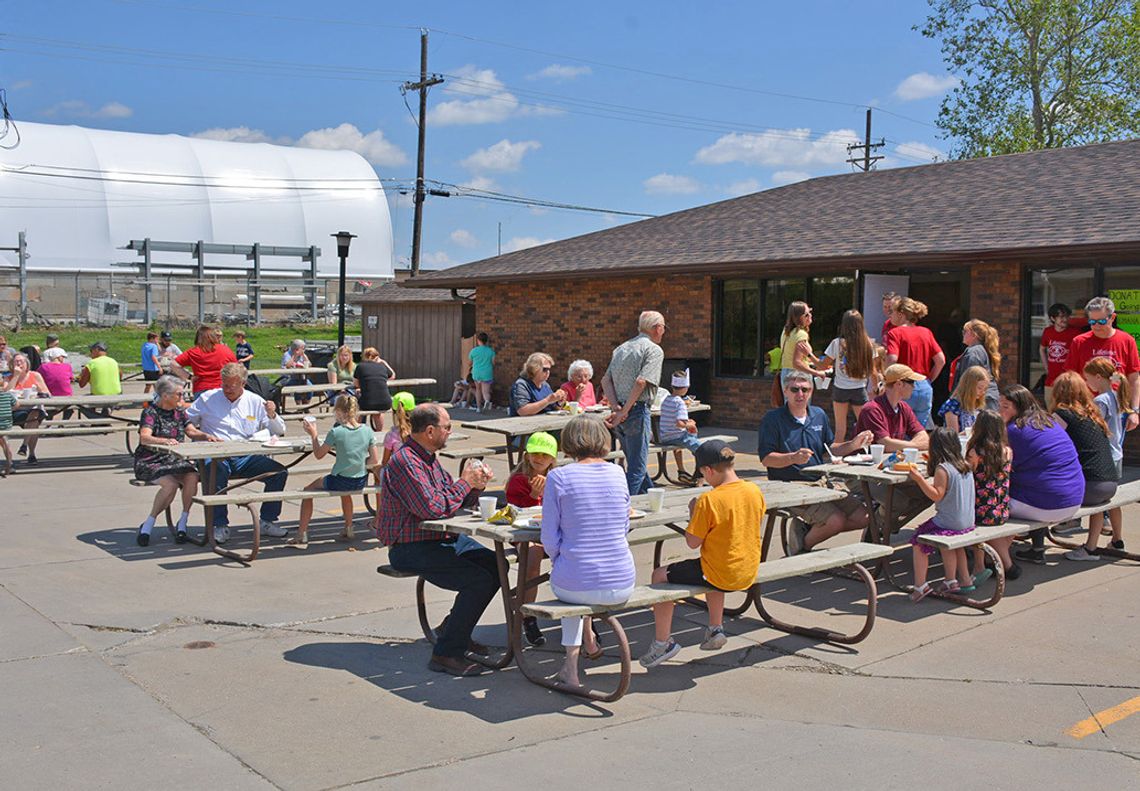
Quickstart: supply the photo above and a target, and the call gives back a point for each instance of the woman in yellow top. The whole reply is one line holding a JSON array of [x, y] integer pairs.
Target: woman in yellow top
[[795, 345]]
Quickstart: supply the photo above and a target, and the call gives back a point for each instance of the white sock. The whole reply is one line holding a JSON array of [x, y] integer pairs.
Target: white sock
[[181, 526], [147, 524]]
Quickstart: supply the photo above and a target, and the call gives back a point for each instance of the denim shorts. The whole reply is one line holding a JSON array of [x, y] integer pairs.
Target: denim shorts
[[341, 483]]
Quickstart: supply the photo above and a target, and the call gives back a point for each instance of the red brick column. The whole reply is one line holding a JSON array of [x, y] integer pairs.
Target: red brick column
[[995, 298]]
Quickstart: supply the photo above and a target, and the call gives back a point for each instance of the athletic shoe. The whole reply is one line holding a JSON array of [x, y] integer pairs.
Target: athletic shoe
[[272, 529], [1013, 572], [1081, 554], [797, 532], [221, 535], [180, 537], [532, 633], [715, 639], [1118, 544], [142, 539], [660, 652], [1031, 555]]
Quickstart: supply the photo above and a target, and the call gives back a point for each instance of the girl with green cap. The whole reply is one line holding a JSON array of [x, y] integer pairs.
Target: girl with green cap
[[402, 405], [524, 489]]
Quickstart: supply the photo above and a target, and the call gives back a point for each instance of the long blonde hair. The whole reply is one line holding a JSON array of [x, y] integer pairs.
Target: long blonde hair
[[1104, 367], [351, 362], [988, 336], [401, 421], [966, 390], [347, 409], [912, 309]]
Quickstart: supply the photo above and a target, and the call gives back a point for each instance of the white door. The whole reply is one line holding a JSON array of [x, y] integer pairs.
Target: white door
[[874, 286]]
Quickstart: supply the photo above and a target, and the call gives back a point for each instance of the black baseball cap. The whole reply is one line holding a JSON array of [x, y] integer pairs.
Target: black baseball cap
[[100, 345], [713, 452], [166, 336]]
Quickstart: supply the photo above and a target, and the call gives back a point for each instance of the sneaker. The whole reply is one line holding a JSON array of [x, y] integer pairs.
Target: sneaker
[[272, 529], [659, 652], [532, 633], [23, 451], [1118, 544], [797, 531], [221, 534], [1081, 554], [180, 537], [32, 461], [1030, 555], [715, 639], [1013, 572], [142, 539]]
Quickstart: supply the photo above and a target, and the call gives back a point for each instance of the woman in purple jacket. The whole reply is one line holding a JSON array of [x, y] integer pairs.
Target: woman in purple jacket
[[585, 518], [1047, 483]]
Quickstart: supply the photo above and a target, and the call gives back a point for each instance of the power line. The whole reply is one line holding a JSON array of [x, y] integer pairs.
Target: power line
[[472, 192]]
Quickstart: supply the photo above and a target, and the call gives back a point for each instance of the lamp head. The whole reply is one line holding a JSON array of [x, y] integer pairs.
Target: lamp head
[[343, 239]]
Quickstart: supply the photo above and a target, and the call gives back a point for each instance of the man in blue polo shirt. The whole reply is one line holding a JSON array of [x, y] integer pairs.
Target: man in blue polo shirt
[[796, 436]]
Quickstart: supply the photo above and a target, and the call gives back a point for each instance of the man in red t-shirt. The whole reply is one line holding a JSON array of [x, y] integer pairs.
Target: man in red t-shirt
[[1056, 341], [1104, 340]]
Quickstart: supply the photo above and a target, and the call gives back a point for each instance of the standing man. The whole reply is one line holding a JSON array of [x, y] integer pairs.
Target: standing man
[[150, 367], [629, 384], [101, 372], [232, 412], [414, 489], [888, 308], [1104, 340]]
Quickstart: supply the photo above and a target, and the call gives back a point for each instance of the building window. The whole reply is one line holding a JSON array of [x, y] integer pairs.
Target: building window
[[751, 314]]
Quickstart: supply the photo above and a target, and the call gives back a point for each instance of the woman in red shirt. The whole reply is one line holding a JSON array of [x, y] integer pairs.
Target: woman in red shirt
[[205, 359], [912, 345]]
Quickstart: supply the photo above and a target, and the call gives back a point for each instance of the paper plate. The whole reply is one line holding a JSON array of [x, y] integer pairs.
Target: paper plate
[[636, 514]]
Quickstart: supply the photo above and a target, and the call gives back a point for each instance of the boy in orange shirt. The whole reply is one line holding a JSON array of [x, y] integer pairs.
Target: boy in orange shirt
[[725, 524]]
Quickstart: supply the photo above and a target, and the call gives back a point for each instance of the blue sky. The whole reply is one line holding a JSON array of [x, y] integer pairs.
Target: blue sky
[[636, 106]]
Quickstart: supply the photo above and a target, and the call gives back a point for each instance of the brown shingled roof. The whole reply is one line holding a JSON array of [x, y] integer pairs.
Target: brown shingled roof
[[1026, 204], [393, 292]]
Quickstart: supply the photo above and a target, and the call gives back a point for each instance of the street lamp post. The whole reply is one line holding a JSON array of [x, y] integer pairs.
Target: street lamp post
[[343, 240]]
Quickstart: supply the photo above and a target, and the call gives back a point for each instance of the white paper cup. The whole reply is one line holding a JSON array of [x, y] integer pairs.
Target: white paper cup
[[487, 507], [822, 382], [309, 419], [910, 455], [656, 499], [573, 407], [877, 453]]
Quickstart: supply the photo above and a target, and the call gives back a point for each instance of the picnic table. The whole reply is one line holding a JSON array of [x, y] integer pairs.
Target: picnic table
[[673, 517], [100, 407], [201, 452], [521, 426], [884, 523], [288, 371], [336, 387]]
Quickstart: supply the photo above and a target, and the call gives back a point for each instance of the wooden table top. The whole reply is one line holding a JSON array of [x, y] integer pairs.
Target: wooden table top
[[547, 421], [197, 451], [121, 401]]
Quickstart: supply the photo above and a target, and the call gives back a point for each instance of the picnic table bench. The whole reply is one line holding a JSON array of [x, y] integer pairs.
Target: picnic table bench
[[330, 388], [99, 416], [663, 451]]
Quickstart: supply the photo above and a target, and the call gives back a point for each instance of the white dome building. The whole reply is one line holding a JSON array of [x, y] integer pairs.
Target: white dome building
[[81, 195]]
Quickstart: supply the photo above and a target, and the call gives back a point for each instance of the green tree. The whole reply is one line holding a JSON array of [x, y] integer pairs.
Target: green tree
[[1037, 73]]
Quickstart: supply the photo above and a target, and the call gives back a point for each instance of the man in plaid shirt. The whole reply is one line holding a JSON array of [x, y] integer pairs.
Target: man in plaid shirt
[[415, 489]]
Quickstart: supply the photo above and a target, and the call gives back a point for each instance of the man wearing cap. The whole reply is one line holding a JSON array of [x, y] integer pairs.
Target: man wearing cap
[[167, 350], [630, 384], [53, 350], [101, 372], [415, 488], [798, 435]]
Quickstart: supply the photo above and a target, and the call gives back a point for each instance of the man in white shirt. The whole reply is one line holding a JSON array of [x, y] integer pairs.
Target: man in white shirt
[[234, 413]]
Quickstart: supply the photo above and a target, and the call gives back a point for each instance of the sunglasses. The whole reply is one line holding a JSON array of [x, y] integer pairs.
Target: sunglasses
[[546, 369], [799, 389], [1094, 322]]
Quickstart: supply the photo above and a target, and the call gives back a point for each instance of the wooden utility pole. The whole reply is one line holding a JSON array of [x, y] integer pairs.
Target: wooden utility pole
[[421, 86], [866, 161]]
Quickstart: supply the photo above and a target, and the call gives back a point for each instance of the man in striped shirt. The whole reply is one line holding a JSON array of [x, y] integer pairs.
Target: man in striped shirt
[[415, 489]]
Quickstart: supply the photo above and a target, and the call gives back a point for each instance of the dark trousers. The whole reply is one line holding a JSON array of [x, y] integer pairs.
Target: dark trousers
[[474, 575]]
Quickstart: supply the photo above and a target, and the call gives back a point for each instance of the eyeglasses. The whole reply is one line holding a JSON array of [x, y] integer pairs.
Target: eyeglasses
[[1094, 322], [799, 389], [546, 368]]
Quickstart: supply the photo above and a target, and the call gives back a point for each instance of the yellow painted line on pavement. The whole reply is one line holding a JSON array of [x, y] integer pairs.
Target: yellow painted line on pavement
[[1102, 719]]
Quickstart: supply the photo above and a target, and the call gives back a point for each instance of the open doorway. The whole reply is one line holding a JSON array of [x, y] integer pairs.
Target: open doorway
[[947, 297]]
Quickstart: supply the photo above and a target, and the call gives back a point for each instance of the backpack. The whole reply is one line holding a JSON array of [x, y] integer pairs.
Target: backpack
[[259, 385]]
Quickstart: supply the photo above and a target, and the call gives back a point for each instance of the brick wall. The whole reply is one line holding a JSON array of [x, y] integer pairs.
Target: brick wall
[[995, 298]]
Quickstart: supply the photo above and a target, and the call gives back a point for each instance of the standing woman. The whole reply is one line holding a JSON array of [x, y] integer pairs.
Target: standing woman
[[912, 345], [205, 359], [981, 342], [853, 356], [371, 377]]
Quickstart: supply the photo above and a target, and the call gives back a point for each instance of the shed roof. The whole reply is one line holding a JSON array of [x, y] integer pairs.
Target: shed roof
[[395, 292], [1066, 201]]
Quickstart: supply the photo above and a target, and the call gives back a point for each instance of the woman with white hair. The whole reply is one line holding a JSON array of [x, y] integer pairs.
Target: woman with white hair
[[578, 386], [295, 357], [531, 393], [26, 385]]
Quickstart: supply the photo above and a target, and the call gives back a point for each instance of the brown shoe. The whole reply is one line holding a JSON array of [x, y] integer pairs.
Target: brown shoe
[[473, 647], [456, 667]]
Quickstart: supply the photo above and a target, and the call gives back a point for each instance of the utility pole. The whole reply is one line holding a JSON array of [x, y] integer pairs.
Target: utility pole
[[421, 86], [866, 161]]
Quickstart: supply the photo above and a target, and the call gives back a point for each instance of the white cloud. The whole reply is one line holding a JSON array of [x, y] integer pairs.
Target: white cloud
[[480, 183], [560, 73], [464, 238], [923, 85], [744, 187], [783, 148], [490, 102], [502, 156], [782, 177], [21, 85], [668, 184], [77, 108], [523, 242], [371, 146], [916, 150], [437, 259]]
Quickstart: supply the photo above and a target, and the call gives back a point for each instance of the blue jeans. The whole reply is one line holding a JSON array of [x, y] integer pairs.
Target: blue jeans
[[920, 401], [474, 575], [245, 467], [686, 440], [633, 434]]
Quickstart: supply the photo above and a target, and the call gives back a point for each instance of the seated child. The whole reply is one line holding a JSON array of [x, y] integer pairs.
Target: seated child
[[524, 490], [355, 455], [952, 492], [676, 428], [402, 405], [462, 393], [725, 524]]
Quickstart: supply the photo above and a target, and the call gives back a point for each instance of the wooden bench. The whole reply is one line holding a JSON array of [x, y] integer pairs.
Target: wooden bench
[[1126, 494], [57, 430], [645, 596], [663, 452]]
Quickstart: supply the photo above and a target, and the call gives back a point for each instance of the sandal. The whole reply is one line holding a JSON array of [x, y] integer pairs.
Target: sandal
[[918, 594], [297, 542], [600, 652], [345, 535], [949, 586]]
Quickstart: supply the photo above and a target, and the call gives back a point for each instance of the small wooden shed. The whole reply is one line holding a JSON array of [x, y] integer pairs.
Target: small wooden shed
[[419, 331]]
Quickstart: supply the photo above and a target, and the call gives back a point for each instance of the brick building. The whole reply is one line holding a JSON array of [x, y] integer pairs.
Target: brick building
[[998, 239]]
